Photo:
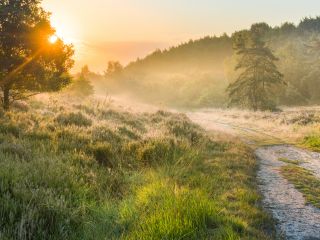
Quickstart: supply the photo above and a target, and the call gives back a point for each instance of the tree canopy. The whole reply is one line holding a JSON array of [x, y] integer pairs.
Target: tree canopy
[[29, 62]]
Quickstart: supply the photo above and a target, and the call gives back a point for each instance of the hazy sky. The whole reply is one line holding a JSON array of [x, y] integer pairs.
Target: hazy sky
[[104, 30]]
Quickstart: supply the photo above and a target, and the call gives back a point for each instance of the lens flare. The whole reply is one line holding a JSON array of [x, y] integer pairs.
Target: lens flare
[[53, 39]]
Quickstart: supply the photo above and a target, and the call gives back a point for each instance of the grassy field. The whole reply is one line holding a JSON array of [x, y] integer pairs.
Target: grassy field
[[97, 171], [295, 125]]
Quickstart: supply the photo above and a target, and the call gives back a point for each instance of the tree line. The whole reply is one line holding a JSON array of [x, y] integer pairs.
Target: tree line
[[197, 73], [258, 68]]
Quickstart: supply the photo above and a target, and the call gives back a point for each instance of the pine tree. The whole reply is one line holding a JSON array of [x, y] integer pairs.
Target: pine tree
[[258, 73]]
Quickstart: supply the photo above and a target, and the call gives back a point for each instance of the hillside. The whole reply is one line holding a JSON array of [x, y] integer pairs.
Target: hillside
[[196, 73]]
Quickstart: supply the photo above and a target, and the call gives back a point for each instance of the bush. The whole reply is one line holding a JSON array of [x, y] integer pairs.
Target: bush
[[77, 119], [104, 133], [155, 151], [103, 154], [182, 127]]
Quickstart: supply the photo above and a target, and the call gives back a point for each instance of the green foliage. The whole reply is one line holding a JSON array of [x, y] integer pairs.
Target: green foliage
[[312, 142], [28, 62], [258, 75], [191, 74], [61, 179], [196, 73], [103, 154]]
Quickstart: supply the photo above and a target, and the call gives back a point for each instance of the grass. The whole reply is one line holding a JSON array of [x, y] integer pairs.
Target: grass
[[290, 125], [94, 171], [312, 142], [305, 182], [286, 160]]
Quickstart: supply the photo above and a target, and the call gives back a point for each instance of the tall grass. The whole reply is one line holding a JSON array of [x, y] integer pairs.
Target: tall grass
[[93, 171]]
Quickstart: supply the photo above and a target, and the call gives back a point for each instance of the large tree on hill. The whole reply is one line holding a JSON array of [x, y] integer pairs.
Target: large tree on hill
[[258, 75], [29, 62]]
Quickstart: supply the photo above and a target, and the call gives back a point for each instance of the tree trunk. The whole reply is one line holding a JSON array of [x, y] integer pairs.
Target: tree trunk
[[6, 101]]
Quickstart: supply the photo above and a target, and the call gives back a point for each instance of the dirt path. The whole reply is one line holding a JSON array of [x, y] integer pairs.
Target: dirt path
[[295, 219]]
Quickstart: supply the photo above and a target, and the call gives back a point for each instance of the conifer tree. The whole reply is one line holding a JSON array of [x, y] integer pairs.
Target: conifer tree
[[258, 73]]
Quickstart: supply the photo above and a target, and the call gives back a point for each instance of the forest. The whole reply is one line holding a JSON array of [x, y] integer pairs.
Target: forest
[[197, 73]]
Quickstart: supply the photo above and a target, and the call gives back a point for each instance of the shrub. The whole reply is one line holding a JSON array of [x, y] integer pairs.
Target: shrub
[[155, 151], [103, 133], [182, 127], [103, 154], [304, 119], [77, 119]]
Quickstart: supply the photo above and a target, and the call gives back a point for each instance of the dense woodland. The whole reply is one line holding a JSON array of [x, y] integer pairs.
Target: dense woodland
[[197, 73]]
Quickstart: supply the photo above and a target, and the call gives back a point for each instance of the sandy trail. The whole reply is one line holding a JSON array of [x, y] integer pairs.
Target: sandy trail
[[295, 219]]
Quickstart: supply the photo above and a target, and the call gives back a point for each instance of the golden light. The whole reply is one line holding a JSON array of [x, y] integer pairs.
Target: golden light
[[64, 29], [53, 39]]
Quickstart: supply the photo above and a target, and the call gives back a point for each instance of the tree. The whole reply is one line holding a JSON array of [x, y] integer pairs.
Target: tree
[[82, 86], [29, 62], [114, 68], [258, 73], [311, 78]]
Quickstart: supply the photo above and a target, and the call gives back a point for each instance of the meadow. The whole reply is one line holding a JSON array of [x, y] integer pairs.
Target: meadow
[[96, 170], [296, 125]]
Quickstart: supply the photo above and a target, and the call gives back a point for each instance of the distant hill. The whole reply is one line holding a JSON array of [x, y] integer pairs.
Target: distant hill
[[196, 73], [207, 54]]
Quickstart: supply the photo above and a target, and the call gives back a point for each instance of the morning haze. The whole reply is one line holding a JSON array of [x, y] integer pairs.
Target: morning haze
[[140, 26], [159, 120]]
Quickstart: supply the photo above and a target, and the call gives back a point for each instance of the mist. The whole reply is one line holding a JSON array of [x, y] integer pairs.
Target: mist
[[197, 73]]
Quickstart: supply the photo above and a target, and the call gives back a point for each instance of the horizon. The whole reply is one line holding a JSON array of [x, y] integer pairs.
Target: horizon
[[134, 29]]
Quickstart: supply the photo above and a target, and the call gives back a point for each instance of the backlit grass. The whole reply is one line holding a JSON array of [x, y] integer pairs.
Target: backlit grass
[[84, 172], [312, 142]]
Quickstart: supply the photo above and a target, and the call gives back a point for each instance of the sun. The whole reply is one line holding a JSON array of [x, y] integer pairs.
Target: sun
[[53, 39]]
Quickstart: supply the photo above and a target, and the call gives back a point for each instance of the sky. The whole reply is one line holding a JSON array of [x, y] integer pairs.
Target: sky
[[123, 30]]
